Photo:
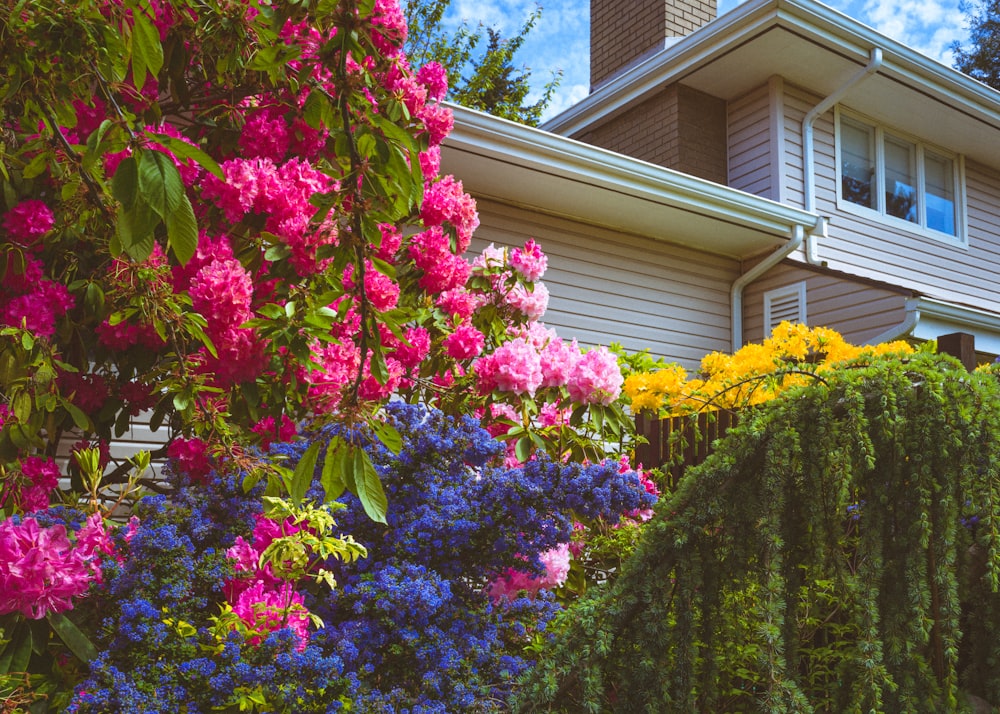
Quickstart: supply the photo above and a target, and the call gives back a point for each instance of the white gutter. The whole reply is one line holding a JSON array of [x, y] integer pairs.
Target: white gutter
[[736, 291], [809, 152]]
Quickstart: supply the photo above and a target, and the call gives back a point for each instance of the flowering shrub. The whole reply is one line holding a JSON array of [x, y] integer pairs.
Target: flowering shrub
[[754, 374], [418, 623], [230, 217]]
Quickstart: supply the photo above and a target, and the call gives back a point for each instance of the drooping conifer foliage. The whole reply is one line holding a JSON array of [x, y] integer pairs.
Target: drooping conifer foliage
[[838, 553]]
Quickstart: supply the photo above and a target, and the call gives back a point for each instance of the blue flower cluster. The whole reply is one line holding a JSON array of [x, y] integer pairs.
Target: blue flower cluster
[[410, 628]]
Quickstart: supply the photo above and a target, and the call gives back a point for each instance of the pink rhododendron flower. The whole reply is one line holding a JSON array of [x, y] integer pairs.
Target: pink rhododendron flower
[[529, 261], [644, 514], [516, 367], [411, 355], [465, 342], [557, 563], [28, 221], [265, 610], [38, 310], [433, 76], [392, 239], [438, 120], [265, 135], [500, 410], [459, 303], [39, 478], [40, 569], [532, 304], [265, 429], [596, 379], [558, 361], [446, 200], [430, 162], [222, 292], [190, 457]]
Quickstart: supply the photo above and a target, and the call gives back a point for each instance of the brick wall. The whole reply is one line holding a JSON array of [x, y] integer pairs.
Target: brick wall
[[679, 128], [621, 33]]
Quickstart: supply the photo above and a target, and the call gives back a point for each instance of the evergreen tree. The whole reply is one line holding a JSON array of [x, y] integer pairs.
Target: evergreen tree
[[479, 62], [981, 60]]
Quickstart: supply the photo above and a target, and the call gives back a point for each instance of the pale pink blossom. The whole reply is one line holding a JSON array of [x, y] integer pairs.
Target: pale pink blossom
[[556, 562], [532, 304], [596, 379], [558, 361], [529, 261]]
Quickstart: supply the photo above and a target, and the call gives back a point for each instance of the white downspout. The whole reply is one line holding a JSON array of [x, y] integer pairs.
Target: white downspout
[[808, 151], [736, 291], [897, 332]]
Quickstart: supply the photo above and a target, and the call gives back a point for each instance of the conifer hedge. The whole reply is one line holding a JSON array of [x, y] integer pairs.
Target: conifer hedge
[[840, 552]]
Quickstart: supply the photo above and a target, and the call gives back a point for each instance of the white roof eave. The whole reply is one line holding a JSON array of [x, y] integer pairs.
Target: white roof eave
[[524, 166]]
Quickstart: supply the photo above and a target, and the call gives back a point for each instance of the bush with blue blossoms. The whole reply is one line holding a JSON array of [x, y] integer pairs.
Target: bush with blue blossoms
[[409, 628]]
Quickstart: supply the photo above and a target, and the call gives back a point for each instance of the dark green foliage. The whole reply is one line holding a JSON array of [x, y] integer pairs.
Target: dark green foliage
[[838, 553], [981, 60], [479, 77]]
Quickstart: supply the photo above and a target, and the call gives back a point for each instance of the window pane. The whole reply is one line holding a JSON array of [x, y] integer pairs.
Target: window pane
[[900, 179], [939, 175], [857, 163]]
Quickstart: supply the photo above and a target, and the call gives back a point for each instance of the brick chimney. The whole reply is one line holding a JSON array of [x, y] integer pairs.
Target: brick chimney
[[622, 32]]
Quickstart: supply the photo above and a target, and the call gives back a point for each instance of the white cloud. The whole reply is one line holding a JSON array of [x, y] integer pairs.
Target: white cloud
[[928, 26]]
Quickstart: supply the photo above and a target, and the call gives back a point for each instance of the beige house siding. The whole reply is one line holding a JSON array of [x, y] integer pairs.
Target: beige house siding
[[857, 311], [613, 287], [750, 144], [873, 248]]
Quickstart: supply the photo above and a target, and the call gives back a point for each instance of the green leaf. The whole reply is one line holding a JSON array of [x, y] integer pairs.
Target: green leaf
[[147, 52], [160, 183], [183, 150], [16, 655], [182, 231], [388, 435], [369, 487], [125, 183], [135, 230], [522, 450], [302, 477], [334, 464], [76, 414], [27, 341], [71, 635]]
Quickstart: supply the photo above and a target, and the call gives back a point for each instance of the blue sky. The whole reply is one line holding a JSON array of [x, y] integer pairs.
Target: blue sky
[[561, 39]]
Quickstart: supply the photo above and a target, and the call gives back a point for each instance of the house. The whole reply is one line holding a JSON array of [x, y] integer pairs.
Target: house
[[782, 161]]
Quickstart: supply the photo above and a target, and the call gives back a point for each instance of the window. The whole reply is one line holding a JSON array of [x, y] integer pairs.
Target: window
[[785, 304], [898, 177]]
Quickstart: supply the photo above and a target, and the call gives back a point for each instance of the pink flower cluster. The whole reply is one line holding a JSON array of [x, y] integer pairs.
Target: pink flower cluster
[[190, 457], [32, 489], [264, 602], [537, 358], [529, 261], [556, 562], [28, 221], [641, 515], [42, 570], [31, 300], [446, 201]]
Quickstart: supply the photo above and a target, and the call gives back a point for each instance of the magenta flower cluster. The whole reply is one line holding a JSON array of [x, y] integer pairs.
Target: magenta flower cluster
[[42, 570]]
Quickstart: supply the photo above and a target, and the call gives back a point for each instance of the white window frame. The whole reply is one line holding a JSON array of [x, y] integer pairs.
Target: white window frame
[[960, 239], [796, 291]]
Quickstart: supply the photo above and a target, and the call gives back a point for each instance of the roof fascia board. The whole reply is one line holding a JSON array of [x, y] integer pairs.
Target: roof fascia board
[[839, 32], [479, 133]]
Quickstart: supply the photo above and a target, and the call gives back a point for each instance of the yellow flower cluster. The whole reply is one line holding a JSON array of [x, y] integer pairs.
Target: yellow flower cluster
[[754, 374]]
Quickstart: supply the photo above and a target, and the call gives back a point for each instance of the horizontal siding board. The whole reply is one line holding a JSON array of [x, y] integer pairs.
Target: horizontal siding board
[[857, 311], [613, 287]]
